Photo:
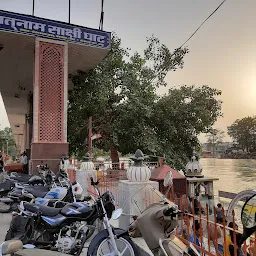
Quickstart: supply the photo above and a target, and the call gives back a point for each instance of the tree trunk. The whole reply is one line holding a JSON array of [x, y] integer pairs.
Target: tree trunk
[[115, 159]]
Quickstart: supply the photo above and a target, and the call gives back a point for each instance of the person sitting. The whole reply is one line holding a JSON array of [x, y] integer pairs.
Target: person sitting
[[233, 244], [219, 213], [184, 229], [197, 236]]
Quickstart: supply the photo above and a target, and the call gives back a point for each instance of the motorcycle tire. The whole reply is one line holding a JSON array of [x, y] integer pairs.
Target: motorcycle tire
[[125, 239], [4, 208]]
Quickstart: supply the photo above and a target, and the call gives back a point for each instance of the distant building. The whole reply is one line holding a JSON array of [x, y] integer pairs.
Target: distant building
[[221, 148]]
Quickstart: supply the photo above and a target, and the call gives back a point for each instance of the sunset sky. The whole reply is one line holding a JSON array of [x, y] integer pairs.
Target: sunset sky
[[222, 53]]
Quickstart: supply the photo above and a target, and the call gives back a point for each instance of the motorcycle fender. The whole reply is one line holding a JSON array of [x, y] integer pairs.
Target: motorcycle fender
[[102, 234]]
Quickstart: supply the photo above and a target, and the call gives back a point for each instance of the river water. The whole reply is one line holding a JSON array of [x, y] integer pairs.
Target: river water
[[234, 175]]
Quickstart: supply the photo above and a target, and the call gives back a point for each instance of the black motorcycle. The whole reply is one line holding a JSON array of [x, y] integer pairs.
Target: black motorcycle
[[11, 189], [67, 229]]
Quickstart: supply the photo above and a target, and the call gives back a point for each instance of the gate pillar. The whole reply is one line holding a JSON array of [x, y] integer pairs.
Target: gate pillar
[[50, 95]]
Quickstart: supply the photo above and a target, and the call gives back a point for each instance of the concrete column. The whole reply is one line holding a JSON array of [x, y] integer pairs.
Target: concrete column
[[49, 141], [134, 197]]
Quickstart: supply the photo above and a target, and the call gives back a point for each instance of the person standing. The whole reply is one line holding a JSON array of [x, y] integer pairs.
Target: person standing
[[219, 213], [1, 164], [24, 161]]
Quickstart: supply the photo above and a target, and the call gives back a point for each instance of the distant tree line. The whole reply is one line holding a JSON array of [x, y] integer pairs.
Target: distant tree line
[[243, 133]]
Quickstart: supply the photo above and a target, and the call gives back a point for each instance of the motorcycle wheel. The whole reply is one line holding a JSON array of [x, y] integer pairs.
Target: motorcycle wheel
[[124, 245], [4, 208]]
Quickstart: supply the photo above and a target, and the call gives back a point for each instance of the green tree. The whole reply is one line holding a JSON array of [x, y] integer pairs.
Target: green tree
[[214, 138], [180, 117], [243, 133], [7, 141], [120, 95], [121, 87]]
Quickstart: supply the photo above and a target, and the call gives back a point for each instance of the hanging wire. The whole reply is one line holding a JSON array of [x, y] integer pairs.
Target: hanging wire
[[203, 23]]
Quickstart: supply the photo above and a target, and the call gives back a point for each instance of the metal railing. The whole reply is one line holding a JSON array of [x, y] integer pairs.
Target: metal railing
[[214, 234]]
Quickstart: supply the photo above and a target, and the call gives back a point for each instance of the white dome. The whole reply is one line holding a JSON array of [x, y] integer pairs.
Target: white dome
[[85, 166], [139, 173], [194, 168]]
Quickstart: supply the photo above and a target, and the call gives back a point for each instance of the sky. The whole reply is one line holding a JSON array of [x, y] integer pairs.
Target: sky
[[222, 53]]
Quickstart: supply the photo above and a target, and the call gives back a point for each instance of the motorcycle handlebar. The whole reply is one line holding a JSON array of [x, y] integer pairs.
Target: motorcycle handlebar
[[173, 212], [94, 183]]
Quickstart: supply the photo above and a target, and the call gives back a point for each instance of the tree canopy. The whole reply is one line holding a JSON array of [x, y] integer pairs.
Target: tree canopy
[[243, 133], [6, 139], [120, 95]]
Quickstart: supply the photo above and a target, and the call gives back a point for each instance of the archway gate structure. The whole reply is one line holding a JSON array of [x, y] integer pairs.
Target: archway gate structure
[[36, 57]]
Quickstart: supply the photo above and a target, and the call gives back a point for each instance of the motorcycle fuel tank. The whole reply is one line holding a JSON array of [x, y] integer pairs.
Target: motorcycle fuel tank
[[56, 193]]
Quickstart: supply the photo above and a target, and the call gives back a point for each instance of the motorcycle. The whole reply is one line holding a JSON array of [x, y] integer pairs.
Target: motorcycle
[[11, 190], [65, 192], [110, 241], [42, 189], [157, 223], [63, 229]]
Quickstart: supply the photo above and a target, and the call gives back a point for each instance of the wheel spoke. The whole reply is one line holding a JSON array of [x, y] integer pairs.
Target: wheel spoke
[[124, 250]]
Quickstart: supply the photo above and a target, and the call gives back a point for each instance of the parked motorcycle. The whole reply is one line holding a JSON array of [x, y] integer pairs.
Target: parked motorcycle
[[157, 223], [65, 191], [110, 241], [11, 190], [63, 229], [45, 188], [60, 228]]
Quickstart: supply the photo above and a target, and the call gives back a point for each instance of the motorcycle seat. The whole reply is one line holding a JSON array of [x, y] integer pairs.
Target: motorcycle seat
[[37, 191], [20, 177], [44, 210], [77, 209], [6, 186]]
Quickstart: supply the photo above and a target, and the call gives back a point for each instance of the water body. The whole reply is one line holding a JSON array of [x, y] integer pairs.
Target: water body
[[234, 175]]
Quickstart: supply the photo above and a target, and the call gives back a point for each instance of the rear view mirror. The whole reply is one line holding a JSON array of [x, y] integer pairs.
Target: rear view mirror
[[116, 214]]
